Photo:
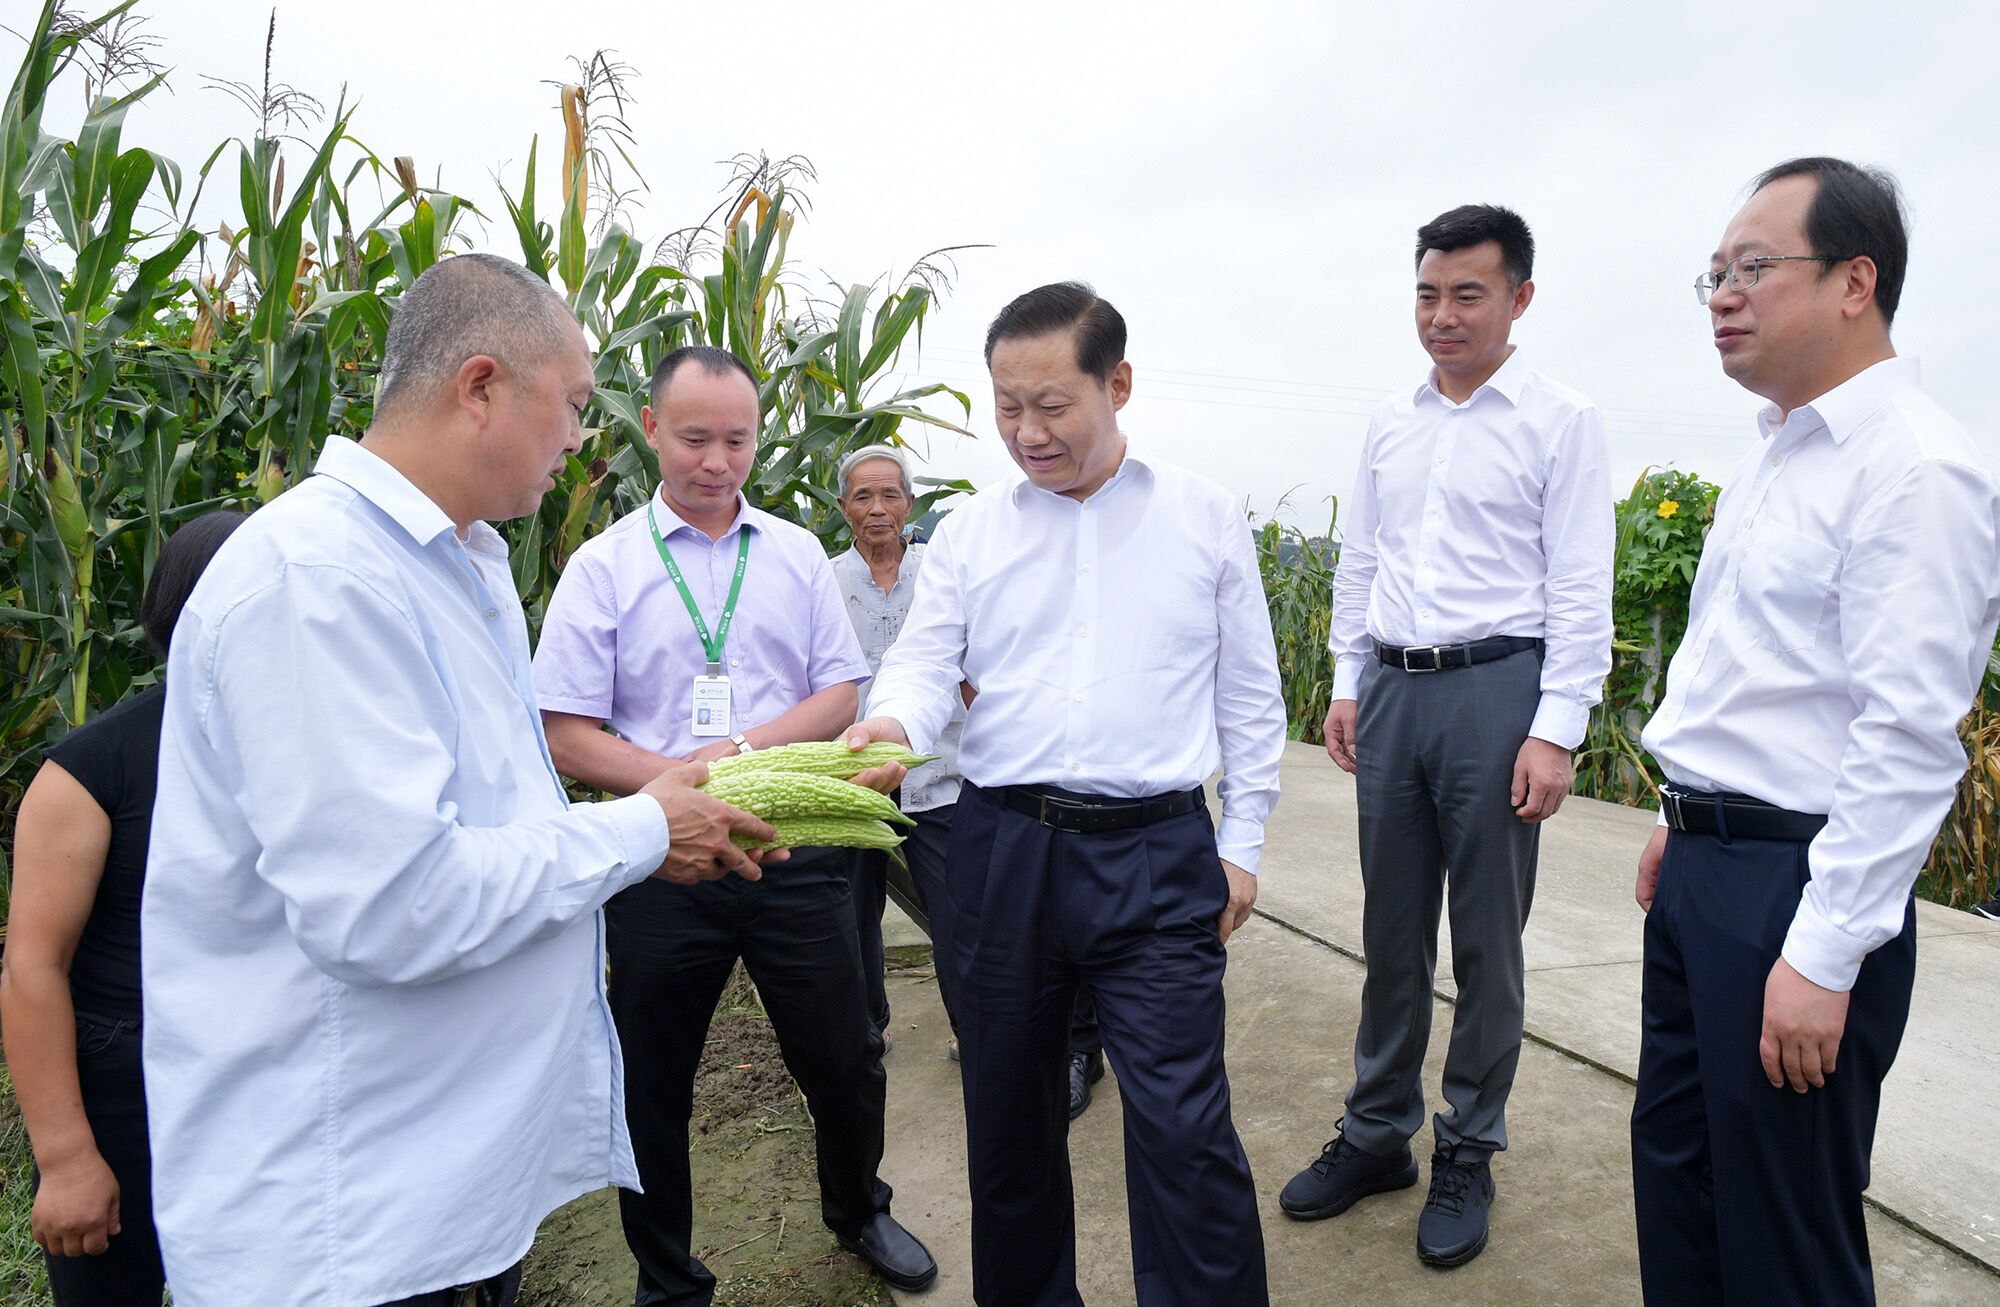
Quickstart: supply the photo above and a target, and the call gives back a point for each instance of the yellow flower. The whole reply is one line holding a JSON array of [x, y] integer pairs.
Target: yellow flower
[[1669, 507]]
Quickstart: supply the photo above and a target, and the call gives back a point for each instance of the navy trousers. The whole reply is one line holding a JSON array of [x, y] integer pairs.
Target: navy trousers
[[1748, 1194], [1130, 916]]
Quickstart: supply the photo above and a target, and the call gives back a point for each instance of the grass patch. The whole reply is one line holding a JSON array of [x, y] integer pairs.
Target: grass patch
[[23, 1275], [756, 1193]]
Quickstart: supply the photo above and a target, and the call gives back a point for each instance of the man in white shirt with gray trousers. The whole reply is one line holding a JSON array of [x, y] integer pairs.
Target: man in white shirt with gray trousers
[[1471, 634], [1840, 625], [1109, 612]]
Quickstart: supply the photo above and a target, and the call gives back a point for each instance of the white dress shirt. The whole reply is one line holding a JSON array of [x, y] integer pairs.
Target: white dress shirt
[[1840, 625], [1491, 517], [1119, 646], [377, 1048], [878, 617]]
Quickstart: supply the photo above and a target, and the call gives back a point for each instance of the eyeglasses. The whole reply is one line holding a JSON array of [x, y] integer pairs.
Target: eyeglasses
[[1741, 272]]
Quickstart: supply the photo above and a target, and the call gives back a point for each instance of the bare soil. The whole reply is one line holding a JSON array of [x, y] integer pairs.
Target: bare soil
[[757, 1225]]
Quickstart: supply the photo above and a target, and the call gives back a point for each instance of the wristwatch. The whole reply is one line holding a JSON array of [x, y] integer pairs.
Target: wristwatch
[[742, 745]]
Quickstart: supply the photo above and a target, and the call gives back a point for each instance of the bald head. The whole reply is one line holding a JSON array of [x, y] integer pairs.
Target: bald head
[[465, 306]]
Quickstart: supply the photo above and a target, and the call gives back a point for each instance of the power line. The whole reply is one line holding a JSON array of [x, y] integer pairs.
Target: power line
[[1371, 394]]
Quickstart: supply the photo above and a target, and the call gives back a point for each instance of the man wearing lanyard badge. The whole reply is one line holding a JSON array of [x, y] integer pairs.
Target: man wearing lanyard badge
[[699, 627]]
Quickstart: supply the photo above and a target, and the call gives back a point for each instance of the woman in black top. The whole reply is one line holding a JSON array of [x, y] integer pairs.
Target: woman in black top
[[69, 989]]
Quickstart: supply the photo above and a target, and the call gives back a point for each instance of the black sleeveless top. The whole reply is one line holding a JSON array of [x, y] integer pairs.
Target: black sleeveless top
[[116, 758]]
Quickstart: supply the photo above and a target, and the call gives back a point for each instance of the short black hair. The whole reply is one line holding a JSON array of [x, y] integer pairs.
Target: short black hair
[[1475, 224], [1857, 210], [182, 560], [1100, 329], [461, 307], [715, 362]]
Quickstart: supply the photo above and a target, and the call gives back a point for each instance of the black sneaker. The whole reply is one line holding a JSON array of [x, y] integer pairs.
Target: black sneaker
[[1085, 1070], [1341, 1177], [1452, 1229], [1989, 910]]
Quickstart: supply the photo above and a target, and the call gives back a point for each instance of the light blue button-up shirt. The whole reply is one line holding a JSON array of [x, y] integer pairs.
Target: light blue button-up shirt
[[376, 1042]]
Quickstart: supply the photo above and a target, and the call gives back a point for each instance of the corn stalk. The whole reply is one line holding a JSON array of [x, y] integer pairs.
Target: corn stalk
[[147, 375]]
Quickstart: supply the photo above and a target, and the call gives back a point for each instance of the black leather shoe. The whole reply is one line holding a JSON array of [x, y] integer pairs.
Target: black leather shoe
[[1342, 1176], [894, 1253], [1452, 1229], [1085, 1070]]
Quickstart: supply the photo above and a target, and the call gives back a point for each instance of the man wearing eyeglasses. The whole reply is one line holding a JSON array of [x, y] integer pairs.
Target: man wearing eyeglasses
[[1841, 620], [1471, 636]]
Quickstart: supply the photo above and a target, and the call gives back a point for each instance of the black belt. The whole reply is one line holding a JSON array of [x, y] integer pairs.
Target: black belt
[[1445, 657], [1736, 816], [1085, 815]]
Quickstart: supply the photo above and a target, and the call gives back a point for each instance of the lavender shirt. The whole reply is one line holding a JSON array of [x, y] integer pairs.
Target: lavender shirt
[[617, 643]]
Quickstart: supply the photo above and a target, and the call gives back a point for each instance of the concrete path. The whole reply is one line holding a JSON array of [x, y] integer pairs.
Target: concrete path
[[1562, 1223]]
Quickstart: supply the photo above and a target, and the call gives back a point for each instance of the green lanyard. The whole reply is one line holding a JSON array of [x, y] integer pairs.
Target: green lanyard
[[711, 644]]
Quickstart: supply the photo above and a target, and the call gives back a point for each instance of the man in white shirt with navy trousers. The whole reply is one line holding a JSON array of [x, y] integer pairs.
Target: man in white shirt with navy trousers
[[1109, 610], [1840, 625], [1471, 634]]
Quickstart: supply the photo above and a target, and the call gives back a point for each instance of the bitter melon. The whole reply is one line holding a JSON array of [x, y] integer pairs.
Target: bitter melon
[[775, 794], [818, 757], [825, 832]]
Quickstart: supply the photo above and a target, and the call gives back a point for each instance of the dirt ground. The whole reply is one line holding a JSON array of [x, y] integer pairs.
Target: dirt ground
[[757, 1223]]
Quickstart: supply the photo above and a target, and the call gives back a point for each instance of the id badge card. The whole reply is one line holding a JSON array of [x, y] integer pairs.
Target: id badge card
[[710, 713]]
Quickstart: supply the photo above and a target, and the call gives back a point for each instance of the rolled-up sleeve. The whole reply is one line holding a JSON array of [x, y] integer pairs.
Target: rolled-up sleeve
[[576, 662], [836, 655], [343, 752]]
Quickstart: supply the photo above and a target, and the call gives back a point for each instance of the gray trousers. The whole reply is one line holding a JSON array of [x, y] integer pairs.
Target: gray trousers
[[1435, 757]]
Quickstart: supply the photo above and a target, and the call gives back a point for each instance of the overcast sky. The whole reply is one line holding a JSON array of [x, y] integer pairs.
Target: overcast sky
[[1244, 180]]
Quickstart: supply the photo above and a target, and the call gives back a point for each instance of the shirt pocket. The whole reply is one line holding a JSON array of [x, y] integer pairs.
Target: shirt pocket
[[1783, 587]]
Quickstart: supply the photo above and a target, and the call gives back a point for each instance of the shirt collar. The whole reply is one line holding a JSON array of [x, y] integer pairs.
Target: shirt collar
[[853, 559], [1843, 409], [747, 518], [1507, 381], [1131, 467], [372, 477]]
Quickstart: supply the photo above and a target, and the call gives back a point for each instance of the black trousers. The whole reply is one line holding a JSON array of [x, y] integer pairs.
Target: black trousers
[[868, 885], [1744, 1193], [128, 1273], [672, 948], [1131, 915]]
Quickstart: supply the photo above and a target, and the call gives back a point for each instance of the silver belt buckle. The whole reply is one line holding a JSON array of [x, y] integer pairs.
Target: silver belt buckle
[[1437, 658], [1670, 804]]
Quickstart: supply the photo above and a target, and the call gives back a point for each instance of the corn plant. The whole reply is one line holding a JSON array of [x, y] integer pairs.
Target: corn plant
[[1964, 864], [149, 373], [1660, 527], [1297, 572]]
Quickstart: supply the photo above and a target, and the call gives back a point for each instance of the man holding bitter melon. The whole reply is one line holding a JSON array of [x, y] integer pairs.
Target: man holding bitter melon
[[698, 627], [1109, 609]]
